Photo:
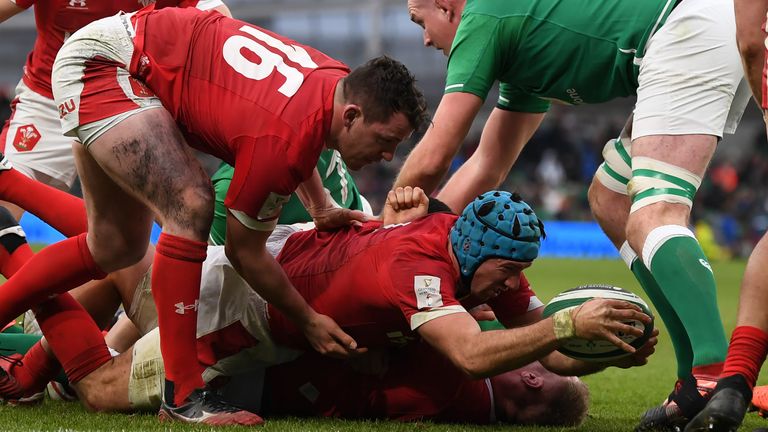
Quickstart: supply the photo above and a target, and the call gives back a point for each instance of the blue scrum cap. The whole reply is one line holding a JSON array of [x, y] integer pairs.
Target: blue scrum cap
[[496, 224]]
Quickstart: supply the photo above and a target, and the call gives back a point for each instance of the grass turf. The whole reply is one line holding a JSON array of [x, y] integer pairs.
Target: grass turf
[[618, 396]]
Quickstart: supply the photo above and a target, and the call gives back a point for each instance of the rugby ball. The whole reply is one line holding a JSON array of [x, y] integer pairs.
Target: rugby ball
[[599, 350]]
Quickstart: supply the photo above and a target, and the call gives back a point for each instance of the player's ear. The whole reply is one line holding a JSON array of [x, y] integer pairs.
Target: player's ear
[[351, 113], [447, 7], [532, 379]]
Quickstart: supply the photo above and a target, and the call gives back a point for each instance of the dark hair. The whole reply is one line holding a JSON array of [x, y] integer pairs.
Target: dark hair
[[382, 87], [437, 206]]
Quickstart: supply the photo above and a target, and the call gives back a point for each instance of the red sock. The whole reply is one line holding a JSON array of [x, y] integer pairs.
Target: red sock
[[73, 336], [176, 288], [746, 353], [36, 369], [11, 262], [56, 269], [63, 211]]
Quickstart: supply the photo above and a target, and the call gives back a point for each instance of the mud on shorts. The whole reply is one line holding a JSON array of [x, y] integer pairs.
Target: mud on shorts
[[91, 84]]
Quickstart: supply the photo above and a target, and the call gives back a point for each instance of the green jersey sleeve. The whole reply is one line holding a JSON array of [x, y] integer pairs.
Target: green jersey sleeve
[[474, 63], [514, 99], [480, 56], [336, 179]]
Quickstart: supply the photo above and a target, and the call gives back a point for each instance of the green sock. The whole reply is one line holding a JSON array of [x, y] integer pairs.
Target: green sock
[[685, 278], [675, 328]]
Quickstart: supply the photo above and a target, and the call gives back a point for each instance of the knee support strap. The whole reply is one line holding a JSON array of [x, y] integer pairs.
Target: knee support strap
[[655, 181], [616, 171]]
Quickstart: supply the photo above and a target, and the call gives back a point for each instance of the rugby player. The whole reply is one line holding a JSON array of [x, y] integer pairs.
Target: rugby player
[[478, 257], [749, 341], [585, 51], [32, 139], [136, 89]]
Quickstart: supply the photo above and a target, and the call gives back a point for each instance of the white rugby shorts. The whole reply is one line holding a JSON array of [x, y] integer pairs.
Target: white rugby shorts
[[33, 141], [691, 79], [91, 84]]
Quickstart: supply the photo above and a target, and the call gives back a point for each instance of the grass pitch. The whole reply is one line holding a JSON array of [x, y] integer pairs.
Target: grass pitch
[[619, 397]]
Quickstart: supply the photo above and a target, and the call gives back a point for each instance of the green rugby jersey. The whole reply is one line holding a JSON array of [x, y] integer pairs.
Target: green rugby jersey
[[333, 171], [574, 51]]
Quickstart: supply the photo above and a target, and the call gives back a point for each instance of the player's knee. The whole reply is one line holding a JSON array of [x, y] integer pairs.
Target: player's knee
[[197, 203], [116, 249]]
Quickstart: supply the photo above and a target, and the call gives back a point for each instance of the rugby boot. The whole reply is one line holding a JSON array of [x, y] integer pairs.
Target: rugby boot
[[686, 400], [206, 407], [726, 409], [760, 400], [10, 391]]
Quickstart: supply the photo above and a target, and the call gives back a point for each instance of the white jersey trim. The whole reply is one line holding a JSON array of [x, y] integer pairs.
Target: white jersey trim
[[419, 318]]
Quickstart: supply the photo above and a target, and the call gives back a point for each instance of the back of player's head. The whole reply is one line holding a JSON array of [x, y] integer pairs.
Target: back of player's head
[[496, 224], [382, 87], [568, 405]]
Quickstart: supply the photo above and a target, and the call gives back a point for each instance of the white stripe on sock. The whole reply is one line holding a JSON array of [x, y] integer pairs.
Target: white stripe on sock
[[659, 236]]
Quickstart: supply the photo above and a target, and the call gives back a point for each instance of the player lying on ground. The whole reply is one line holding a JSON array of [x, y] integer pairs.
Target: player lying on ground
[[688, 95], [235, 321], [413, 383], [127, 93]]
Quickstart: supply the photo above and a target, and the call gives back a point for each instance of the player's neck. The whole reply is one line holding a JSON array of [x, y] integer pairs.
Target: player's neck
[[337, 118]]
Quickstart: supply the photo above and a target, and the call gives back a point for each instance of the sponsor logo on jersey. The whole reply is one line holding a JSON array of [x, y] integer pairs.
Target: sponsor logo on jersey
[[66, 108], [77, 4], [27, 136], [575, 98], [139, 88], [427, 289], [181, 308]]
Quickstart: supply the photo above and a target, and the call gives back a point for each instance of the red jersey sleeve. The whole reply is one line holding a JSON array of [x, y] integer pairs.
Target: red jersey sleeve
[[425, 285], [511, 304], [263, 181]]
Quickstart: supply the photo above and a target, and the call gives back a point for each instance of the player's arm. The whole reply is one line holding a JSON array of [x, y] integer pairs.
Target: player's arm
[[8, 9], [325, 212], [503, 138], [566, 366], [246, 249], [431, 158], [750, 37], [481, 354]]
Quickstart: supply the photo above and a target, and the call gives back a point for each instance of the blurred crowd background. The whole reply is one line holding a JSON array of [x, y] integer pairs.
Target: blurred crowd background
[[553, 172]]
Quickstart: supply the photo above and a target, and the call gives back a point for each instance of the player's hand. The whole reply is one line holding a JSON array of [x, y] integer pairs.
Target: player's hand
[[326, 337], [601, 318], [482, 312], [404, 204], [639, 357], [333, 217]]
